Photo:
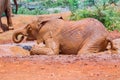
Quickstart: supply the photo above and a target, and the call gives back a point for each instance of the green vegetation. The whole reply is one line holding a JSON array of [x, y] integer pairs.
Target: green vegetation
[[106, 13], [46, 4], [100, 9], [109, 17], [31, 12]]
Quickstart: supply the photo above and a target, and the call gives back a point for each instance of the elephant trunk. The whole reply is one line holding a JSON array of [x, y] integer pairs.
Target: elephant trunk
[[18, 36]]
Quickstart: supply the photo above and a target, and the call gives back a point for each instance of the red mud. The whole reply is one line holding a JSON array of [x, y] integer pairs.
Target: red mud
[[57, 67], [60, 68]]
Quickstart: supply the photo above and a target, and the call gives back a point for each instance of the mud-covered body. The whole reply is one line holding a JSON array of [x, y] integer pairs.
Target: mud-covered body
[[71, 37]]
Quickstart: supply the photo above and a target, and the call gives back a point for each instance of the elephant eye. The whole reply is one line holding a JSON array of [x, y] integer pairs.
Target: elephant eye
[[39, 24], [30, 28]]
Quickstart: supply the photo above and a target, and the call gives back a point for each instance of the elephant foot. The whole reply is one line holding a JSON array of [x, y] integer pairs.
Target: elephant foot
[[38, 50], [1, 31], [42, 51], [11, 28]]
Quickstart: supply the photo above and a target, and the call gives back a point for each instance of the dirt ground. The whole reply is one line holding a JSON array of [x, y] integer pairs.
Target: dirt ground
[[57, 67]]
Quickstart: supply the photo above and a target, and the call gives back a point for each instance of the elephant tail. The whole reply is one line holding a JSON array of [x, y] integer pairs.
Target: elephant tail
[[15, 2]]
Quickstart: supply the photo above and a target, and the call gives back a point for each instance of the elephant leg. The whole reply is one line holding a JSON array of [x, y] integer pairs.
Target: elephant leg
[[53, 44], [10, 7], [9, 20], [93, 46], [1, 30], [11, 13], [83, 50], [51, 48], [41, 50]]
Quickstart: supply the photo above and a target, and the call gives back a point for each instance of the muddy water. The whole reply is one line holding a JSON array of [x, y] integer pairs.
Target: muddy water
[[12, 49], [26, 44]]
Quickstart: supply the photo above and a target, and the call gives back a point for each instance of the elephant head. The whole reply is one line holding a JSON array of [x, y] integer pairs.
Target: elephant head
[[31, 31]]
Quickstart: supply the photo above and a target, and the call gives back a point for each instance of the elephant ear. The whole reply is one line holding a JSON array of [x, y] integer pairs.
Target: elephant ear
[[42, 23], [28, 28]]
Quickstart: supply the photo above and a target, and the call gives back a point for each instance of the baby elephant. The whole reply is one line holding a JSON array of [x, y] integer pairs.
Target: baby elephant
[[66, 37]]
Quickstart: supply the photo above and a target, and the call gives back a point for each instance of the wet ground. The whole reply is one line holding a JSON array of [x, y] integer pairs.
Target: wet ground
[[62, 67], [57, 67]]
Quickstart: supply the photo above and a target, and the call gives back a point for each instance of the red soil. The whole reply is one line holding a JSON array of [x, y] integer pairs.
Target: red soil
[[57, 67]]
